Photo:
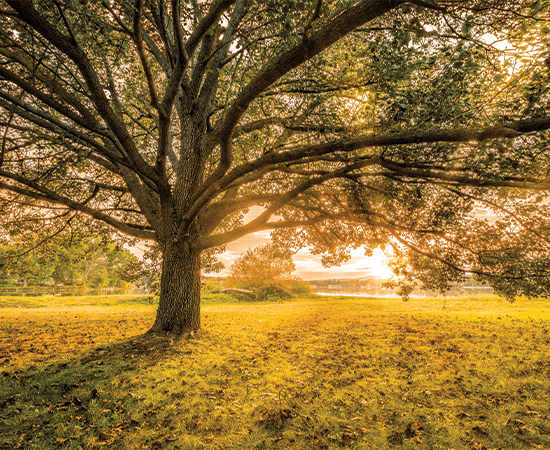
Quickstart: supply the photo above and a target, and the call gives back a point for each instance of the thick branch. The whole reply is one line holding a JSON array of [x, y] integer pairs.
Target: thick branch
[[465, 180], [287, 124], [28, 14], [308, 47], [45, 195], [230, 236]]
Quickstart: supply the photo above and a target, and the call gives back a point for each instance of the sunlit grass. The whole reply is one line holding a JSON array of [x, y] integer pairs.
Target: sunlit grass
[[54, 301], [309, 373]]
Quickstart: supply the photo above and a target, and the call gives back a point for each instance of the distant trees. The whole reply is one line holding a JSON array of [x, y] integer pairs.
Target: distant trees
[[267, 264], [82, 259], [22, 264]]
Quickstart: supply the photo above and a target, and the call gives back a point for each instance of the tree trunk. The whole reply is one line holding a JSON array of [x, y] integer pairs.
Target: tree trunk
[[180, 287]]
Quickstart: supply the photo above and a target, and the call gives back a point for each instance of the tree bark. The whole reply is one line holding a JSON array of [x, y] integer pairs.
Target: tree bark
[[179, 305]]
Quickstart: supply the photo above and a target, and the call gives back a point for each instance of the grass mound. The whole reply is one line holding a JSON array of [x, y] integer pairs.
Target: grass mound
[[312, 374]]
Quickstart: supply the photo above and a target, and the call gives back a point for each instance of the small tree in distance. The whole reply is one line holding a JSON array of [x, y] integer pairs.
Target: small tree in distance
[[266, 269]]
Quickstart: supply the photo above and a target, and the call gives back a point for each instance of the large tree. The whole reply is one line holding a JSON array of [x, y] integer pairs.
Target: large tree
[[376, 122]]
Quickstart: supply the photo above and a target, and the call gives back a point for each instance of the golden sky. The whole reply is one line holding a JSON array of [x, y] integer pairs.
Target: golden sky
[[308, 266]]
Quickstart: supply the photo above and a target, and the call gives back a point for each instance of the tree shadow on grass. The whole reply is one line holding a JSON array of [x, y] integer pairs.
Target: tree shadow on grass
[[72, 401]]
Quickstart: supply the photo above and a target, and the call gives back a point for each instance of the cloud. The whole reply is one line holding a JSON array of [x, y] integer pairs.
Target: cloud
[[308, 266]]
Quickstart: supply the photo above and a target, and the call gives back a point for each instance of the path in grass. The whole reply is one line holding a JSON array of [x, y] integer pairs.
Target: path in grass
[[323, 373]]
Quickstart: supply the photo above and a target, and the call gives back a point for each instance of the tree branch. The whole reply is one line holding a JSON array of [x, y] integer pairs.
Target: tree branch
[[66, 22], [283, 199], [465, 180], [40, 193], [136, 34], [507, 131], [49, 122], [28, 14], [230, 236], [317, 42], [49, 101], [184, 50], [506, 211], [49, 79]]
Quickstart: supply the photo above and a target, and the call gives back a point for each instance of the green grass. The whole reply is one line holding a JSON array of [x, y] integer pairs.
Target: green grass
[[317, 373], [54, 301], [123, 300]]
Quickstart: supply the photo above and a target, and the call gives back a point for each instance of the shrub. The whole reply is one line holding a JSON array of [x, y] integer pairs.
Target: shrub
[[262, 267], [299, 287], [272, 292], [210, 287]]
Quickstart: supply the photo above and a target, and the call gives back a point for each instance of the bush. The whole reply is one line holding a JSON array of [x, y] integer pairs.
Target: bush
[[240, 296], [210, 287], [272, 292], [261, 267], [299, 287], [267, 293]]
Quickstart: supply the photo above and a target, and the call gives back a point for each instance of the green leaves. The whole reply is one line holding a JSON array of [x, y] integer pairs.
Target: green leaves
[[466, 28], [537, 6], [69, 259]]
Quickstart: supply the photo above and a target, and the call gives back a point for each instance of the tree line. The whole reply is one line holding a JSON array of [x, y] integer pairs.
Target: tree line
[[80, 259]]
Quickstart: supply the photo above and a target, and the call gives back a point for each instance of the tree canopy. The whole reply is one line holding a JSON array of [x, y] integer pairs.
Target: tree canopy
[[418, 125]]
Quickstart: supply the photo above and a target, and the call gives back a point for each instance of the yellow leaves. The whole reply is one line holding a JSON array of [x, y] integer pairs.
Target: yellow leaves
[[62, 441], [275, 418], [413, 433], [56, 331]]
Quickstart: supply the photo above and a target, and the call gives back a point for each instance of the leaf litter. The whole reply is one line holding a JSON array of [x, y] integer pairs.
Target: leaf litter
[[311, 373]]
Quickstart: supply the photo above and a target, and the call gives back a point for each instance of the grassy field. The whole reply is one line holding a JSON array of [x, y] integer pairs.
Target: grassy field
[[315, 373]]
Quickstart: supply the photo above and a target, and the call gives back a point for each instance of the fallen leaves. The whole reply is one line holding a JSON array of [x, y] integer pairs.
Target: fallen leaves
[[275, 418], [106, 438], [51, 332], [412, 432], [312, 375]]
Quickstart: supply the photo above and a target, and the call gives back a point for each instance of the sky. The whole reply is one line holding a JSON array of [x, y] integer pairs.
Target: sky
[[308, 266]]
